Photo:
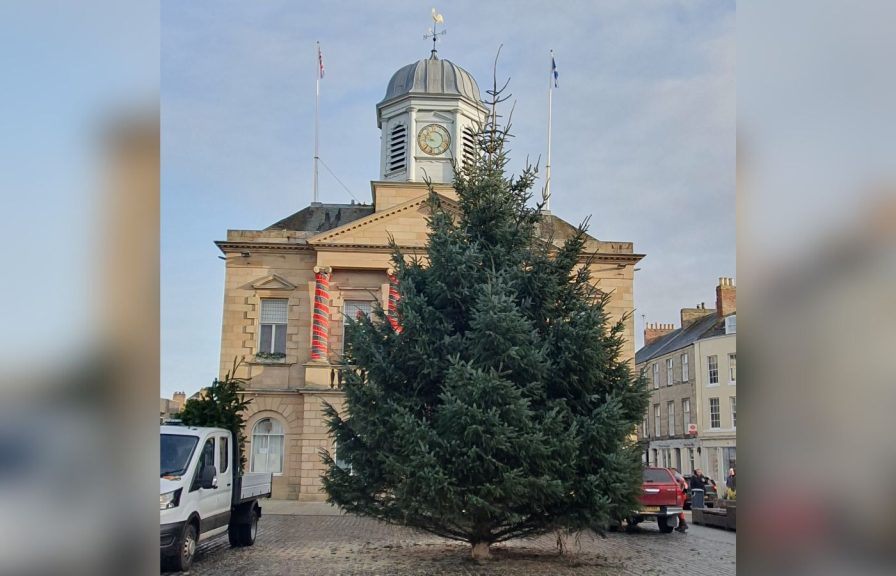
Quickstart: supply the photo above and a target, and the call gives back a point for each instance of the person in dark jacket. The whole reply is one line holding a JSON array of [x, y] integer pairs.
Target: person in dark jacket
[[698, 480]]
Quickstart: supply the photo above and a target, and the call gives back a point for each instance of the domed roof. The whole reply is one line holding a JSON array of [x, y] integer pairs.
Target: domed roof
[[432, 76]]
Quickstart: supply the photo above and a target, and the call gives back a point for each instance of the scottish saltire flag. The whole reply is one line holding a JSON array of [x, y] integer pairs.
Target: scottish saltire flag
[[320, 60], [554, 70]]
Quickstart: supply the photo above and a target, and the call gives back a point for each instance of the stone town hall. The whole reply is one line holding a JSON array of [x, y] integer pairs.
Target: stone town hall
[[289, 287]]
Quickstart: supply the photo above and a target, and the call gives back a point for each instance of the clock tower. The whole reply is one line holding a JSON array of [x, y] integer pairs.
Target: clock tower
[[428, 120]]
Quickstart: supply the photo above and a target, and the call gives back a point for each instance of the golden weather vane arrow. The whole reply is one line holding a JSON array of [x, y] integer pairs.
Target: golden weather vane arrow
[[433, 33]]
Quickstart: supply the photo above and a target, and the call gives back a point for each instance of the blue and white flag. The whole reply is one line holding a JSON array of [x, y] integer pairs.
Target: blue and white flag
[[554, 70]]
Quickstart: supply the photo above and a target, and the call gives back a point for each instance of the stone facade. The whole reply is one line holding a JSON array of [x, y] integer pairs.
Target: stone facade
[[284, 264], [671, 447], [288, 287], [170, 407]]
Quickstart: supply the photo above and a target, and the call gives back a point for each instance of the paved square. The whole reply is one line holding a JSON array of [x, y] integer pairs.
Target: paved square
[[350, 545]]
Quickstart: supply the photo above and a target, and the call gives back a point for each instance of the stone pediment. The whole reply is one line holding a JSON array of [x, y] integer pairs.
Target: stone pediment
[[272, 282], [406, 223]]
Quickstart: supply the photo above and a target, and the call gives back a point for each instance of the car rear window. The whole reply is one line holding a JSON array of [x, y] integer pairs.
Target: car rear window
[[657, 475]]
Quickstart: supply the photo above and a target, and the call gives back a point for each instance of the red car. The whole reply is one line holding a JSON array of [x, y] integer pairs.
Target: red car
[[663, 499]]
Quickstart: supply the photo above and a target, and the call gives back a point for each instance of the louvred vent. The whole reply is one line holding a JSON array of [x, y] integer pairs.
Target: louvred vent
[[469, 146], [397, 148]]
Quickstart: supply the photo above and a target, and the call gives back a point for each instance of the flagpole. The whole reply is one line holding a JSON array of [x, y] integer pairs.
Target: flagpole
[[316, 117], [547, 183]]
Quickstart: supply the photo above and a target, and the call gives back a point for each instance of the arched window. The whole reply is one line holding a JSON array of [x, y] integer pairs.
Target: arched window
[[267, 446]]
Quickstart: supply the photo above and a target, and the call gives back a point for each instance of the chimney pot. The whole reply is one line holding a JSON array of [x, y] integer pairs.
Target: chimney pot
[[655, 331], [726, 297]]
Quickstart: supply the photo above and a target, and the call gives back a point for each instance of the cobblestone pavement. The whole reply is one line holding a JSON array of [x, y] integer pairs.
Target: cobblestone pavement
[[350, 545]]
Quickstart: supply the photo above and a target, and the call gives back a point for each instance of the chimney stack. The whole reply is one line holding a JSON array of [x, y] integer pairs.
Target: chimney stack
[[691, 315], [653, 332], [726, 297]]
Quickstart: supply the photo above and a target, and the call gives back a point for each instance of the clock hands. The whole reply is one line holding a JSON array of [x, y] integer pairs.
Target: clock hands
[[433, 139]]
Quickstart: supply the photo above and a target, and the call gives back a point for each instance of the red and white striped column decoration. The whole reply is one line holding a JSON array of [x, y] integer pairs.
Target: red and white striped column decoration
[[393, 301], [320, 322]]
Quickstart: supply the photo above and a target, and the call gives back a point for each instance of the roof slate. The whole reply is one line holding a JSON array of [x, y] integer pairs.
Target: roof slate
[[707, 327], [322, 217]]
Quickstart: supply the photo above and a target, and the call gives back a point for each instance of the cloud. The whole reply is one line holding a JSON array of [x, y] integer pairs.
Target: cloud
[[643, 124]]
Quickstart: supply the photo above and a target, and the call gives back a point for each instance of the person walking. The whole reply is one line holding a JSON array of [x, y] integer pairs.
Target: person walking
[[683, 484], [698, 482], [731, 484]]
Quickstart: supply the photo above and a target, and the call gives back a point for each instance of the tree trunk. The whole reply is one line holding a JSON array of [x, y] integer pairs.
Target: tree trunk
[[480, 551]]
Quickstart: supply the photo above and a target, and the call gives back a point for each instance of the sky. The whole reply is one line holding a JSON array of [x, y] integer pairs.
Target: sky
[[71, 71], [644, 123]]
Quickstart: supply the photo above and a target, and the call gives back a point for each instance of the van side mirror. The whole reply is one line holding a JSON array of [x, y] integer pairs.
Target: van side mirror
[[209, 477]]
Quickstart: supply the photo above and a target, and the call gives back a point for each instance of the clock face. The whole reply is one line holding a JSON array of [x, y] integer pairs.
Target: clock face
[[433, 139]]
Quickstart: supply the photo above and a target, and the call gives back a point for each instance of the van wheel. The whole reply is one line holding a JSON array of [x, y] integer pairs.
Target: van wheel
[[186, 551], [244, 534], [666, 523]]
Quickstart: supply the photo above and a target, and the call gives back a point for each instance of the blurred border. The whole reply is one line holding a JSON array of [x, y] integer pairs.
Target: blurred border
[[817, 273], [80, 182]]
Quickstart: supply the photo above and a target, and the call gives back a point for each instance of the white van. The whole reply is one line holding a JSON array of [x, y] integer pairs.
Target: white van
[[203, 493]]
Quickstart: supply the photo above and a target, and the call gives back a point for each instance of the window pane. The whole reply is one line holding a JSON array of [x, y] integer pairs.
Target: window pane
[[224, 455], [273, 311], [275, 455], [264, 344], [653, 475], [732, 367], [208, 455], [259, 453], [354, 308], [267, 446], [280, 338]]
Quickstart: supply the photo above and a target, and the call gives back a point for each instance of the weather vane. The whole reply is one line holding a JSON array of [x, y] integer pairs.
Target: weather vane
[[433, 33]]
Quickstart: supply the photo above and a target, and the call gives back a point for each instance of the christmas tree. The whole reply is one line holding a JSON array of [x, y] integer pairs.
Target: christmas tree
[[498, 406], [221, 406]]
